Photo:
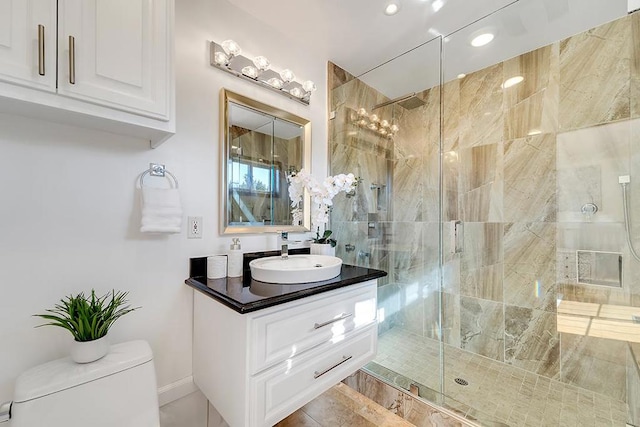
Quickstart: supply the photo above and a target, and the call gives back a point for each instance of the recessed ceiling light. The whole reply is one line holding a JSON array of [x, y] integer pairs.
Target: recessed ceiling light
[[391, 9], [462, 75], [482, 39], [512, 81]]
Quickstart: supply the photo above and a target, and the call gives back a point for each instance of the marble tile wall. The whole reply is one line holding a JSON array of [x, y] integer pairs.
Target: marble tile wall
[[518, 164]]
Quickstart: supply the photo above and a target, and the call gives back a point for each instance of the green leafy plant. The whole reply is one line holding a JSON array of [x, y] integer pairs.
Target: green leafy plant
[[326, 238], [88, 318]]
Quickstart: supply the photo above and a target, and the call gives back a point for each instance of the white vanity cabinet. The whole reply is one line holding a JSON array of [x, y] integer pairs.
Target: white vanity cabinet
[[259, 367], [105, 64]]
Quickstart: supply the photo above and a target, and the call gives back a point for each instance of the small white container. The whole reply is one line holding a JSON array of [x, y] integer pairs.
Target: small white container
[[216, 267], [234, 267]]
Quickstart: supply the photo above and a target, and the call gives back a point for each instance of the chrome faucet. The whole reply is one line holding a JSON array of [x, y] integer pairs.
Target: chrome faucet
[[284, 249]]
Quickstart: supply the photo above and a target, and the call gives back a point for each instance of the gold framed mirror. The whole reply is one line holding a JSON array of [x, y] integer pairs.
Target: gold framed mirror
[[260, 145]]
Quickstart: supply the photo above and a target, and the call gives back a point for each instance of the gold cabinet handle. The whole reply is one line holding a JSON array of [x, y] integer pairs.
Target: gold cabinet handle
[[41, 50], [317, 374], [72, 60], [328, 322]]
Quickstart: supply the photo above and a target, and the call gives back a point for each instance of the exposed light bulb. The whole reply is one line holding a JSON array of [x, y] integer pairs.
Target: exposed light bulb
[[482, 39], [275, 82], [374, 118], [362, 112], [261, 63], [372, 126], [250, 71], [309, 86], [287, 75], [394, 128], [297, 92], [533, 132], [382, 131], [462, 75], [220, 58], [385, 124], [231, 47]]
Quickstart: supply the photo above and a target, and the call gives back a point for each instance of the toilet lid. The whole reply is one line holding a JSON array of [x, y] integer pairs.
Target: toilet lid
[[64, 373]]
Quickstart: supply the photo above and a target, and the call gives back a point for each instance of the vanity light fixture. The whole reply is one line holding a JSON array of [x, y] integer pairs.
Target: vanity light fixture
[[226, 56]]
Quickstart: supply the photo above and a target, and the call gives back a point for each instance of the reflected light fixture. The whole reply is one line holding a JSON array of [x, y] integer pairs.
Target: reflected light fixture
[[512, 81], [226, 56], [482, 39], [373, 122], [391, 8]]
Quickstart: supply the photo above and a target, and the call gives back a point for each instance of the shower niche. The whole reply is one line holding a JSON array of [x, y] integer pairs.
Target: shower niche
[[599, 268]]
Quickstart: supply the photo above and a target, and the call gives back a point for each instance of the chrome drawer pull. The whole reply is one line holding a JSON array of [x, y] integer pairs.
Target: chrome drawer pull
[[337, 319], [317, 374], [72, 60], [41, 50]]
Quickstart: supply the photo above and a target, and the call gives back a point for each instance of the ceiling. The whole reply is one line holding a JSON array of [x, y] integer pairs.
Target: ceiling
[[358, 36]]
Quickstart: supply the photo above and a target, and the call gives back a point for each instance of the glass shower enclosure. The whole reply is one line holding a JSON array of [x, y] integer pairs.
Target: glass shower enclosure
[[492, 193]]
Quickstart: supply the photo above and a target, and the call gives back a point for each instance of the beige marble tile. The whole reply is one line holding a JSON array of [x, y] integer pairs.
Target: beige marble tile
[[589, 162], [451, 114], [408, 186], [531, 341], [635, 65], [530, 265], [595, 364], [532, 105], [482, 327], [484, 282], [594, 75], [337, 76], [481, 100], [530, 179], [483, 245]]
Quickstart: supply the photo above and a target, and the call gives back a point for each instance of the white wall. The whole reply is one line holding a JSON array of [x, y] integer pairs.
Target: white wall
[[69, 210]]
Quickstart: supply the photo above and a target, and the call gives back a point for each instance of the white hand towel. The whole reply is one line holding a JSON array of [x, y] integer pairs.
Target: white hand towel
[[161, 210]]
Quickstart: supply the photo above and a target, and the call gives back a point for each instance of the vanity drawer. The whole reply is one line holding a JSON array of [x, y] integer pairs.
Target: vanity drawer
[[282, 334], [286, 387]]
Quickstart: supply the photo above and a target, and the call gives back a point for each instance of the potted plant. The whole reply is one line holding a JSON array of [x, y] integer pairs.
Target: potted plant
[[324, 245], [321, 195], [88, 318]]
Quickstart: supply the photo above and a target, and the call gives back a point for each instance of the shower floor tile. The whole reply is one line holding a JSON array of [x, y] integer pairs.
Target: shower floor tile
[[495, 391]]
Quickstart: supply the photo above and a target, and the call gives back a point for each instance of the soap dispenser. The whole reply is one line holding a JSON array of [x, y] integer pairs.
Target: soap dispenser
[[235, 259]]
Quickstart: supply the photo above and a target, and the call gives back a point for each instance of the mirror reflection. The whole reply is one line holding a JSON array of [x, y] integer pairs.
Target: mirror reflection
[[262, 145]]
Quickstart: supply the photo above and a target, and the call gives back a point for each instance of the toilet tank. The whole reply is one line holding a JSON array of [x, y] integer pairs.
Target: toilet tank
[[117, 390]]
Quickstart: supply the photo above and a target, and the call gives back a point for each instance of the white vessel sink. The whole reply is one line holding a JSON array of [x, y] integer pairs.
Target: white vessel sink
[[295, 269]]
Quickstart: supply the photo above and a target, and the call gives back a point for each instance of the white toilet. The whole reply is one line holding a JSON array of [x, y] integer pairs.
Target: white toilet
[[117, 390]]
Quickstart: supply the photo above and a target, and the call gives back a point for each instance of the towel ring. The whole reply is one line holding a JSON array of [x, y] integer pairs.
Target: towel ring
[[156, 169]]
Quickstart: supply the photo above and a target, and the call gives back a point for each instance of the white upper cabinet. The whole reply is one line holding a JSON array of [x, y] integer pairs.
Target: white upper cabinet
[[28, 43], [115, 52], [103, 64]]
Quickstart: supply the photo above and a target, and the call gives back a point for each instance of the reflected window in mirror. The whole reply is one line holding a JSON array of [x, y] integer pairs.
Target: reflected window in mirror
[[262, 145]]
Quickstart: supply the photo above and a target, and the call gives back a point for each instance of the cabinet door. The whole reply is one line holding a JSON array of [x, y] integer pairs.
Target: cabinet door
[[121, 56], [28, 43]]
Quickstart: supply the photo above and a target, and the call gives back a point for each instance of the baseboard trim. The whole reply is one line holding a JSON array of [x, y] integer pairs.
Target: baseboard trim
[[176, 390]]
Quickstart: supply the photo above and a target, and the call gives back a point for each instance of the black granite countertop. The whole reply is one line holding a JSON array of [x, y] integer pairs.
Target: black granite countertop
[[245, 295]]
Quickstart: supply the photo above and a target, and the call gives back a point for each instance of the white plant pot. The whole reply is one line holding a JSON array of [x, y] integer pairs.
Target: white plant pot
[[89, 351], [323, 249]]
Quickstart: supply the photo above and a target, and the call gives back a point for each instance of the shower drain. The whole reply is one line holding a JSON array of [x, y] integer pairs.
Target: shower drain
[[461, 381]]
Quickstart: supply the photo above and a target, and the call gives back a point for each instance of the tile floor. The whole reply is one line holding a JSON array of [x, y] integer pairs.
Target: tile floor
[[339, 406], [506, 394]]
